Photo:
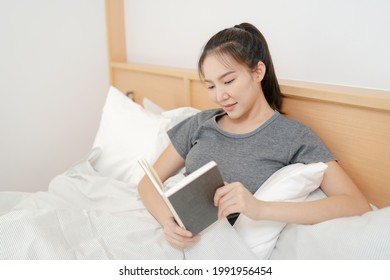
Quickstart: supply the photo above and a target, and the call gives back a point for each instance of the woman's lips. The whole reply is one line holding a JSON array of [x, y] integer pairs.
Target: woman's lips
[[229, 107]]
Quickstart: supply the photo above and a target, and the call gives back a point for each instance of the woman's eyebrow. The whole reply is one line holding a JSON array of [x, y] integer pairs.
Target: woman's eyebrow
[[222, 76]]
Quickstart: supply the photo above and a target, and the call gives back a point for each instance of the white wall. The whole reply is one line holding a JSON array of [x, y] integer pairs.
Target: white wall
[[53, 83], [343, 42]]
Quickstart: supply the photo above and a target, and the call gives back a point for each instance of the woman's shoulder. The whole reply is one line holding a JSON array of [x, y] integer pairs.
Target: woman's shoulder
[[198, 119], [286, 123], [205, 115]]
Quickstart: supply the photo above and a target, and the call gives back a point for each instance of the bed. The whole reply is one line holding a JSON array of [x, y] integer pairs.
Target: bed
[[93, 210]]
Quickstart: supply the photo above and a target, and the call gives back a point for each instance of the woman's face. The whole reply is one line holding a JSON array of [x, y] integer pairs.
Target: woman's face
[[232, 85]]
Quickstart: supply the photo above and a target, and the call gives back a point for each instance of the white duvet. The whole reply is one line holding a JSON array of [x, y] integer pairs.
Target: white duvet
[[84, 215]]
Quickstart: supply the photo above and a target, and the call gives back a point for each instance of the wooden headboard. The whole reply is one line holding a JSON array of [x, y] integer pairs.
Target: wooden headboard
[[353, 122]]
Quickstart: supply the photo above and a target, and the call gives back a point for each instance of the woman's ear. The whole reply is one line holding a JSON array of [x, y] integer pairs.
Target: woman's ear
[[260, 71]]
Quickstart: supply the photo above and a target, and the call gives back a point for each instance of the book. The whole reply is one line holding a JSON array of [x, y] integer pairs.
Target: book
[[190, 200]]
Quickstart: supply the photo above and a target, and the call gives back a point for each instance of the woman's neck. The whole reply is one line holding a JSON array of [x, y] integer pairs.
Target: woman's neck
[[256, 117]]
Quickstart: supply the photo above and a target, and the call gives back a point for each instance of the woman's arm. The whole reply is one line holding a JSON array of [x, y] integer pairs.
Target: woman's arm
[[343, 199], [167, 165]]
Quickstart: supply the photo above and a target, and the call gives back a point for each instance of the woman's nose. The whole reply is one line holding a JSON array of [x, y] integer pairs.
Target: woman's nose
[[222, 94]]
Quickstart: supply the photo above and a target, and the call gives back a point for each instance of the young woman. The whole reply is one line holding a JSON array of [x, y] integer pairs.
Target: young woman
[[250, 139]]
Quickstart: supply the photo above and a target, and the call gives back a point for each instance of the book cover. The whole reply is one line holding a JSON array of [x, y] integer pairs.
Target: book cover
[[191, 199]]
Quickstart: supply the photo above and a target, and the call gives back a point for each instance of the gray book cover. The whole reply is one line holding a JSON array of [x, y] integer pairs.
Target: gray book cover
[[194, 202]]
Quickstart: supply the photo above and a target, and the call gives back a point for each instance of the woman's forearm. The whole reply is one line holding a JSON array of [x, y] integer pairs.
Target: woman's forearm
[[344, 199], [166, 166], [153, 201], [312, 212]]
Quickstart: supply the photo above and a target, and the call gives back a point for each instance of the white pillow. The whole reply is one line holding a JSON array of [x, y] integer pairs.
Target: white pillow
[[180, 114], [127, 132], [291, 183], [175, 116], [150, 106], [363, 237]]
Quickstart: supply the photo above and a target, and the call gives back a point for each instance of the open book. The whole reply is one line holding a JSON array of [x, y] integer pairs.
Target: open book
[[191, 199]]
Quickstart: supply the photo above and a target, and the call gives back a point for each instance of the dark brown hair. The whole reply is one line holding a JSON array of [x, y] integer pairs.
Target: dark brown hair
[[246, 45]]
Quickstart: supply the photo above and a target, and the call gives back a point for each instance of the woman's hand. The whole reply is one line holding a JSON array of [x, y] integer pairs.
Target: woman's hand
[[178, 236], [235, 198]]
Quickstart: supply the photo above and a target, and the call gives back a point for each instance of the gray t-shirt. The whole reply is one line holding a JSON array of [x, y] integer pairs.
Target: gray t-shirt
[[249, 158]]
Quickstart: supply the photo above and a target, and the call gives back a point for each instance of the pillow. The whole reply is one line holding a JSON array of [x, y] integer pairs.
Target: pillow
[[150, 106], [360, 237], [180, 114], [175, 116], [291, 183], [126, 133]]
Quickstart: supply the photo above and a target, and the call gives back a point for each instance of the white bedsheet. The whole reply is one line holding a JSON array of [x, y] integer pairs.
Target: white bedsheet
[[86, 216]]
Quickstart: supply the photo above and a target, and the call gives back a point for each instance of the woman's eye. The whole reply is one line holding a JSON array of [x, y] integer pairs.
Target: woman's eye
[[210, 87], [228, 82]]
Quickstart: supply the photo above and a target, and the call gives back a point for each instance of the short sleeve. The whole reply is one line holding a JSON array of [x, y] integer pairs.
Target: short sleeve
[[309, 148], [181, 135]]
